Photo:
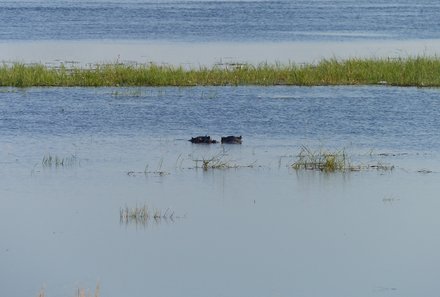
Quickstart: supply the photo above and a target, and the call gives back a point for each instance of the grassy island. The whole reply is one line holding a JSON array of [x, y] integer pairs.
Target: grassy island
[[418, 71]]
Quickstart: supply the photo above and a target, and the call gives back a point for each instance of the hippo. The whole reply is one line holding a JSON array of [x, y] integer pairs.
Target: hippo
[[203, 139], [232, 139]]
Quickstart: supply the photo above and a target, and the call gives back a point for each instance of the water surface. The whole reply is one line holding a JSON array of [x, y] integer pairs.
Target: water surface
[[260, 230], [219, 20]]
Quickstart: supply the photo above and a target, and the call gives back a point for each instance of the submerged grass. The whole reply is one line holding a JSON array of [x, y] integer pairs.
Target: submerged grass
[[415, 71]]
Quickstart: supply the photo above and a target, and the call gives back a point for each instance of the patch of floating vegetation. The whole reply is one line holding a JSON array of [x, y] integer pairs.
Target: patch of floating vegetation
[[412, 71], [326, 161], [141, 215], [56, 161]]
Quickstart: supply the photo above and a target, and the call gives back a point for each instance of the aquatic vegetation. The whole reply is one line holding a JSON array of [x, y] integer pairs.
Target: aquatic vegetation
[[218, 161], [80, 292], [322, 160], [142, 214], [336, 161], [413, 71], [56, 161]]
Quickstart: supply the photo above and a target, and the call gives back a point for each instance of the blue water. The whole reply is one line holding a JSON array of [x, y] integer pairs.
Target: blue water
[[219, 20], [369, 117], [264, 230]]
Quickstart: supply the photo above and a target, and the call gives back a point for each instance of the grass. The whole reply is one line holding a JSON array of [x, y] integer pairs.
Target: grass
[[336, 161], [414, 71], [218, 161], [80, 292], [322, 161], [56, 161], [142, 214]]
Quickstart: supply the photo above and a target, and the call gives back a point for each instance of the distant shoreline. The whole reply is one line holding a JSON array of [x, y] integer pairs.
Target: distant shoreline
[[412, 71]]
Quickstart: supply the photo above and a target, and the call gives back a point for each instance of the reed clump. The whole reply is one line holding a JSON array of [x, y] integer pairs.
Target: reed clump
[[142, 214], [56, 161], [332, 161], [323, 161], [219, 161], [412, 71]]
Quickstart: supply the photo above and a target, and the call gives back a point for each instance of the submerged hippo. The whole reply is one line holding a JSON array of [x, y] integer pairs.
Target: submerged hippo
[[203, 139], [232, 139]]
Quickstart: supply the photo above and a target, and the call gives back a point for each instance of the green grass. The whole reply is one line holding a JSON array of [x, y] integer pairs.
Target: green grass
[[331, 161], [322, 161], [416, 71]]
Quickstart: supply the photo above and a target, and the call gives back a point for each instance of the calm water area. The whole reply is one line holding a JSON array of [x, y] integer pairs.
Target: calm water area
[[259, 228]]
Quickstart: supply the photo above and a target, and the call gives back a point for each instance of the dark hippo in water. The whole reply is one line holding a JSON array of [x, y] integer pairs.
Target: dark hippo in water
[[232, 139], [202, 139]]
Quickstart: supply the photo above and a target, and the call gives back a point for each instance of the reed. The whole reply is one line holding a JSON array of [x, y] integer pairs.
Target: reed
[[56, 161], [336, 161], [323, 161], [142, 214], [218, 161], [80, 292], [413, 71]]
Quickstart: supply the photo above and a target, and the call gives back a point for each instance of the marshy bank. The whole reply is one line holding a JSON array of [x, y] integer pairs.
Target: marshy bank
[[415, 71]]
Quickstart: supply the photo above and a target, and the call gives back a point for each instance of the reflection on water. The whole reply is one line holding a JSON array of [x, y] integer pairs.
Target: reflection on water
[[263, 230]]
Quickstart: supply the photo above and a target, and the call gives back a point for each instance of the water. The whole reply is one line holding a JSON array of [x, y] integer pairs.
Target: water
[[198, 33], [260, 230], [257, 229], [367, 117], [219, 20]]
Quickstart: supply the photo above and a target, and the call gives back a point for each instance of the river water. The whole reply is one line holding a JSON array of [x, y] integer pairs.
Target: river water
[[198, 33], [255, 228]]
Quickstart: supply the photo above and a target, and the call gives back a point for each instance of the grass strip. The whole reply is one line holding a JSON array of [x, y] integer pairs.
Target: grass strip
[[417, 71]]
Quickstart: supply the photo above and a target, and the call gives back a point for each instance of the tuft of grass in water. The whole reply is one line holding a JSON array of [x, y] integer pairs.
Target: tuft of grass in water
[[56, 161], [142, 214], [412, 71], [158, 172], [80, 292], [218, 161], [322, 161], [337, 161]]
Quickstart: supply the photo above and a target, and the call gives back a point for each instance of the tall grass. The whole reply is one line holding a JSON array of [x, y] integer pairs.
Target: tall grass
[[323, 161], [416, 71], [331, 161]]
